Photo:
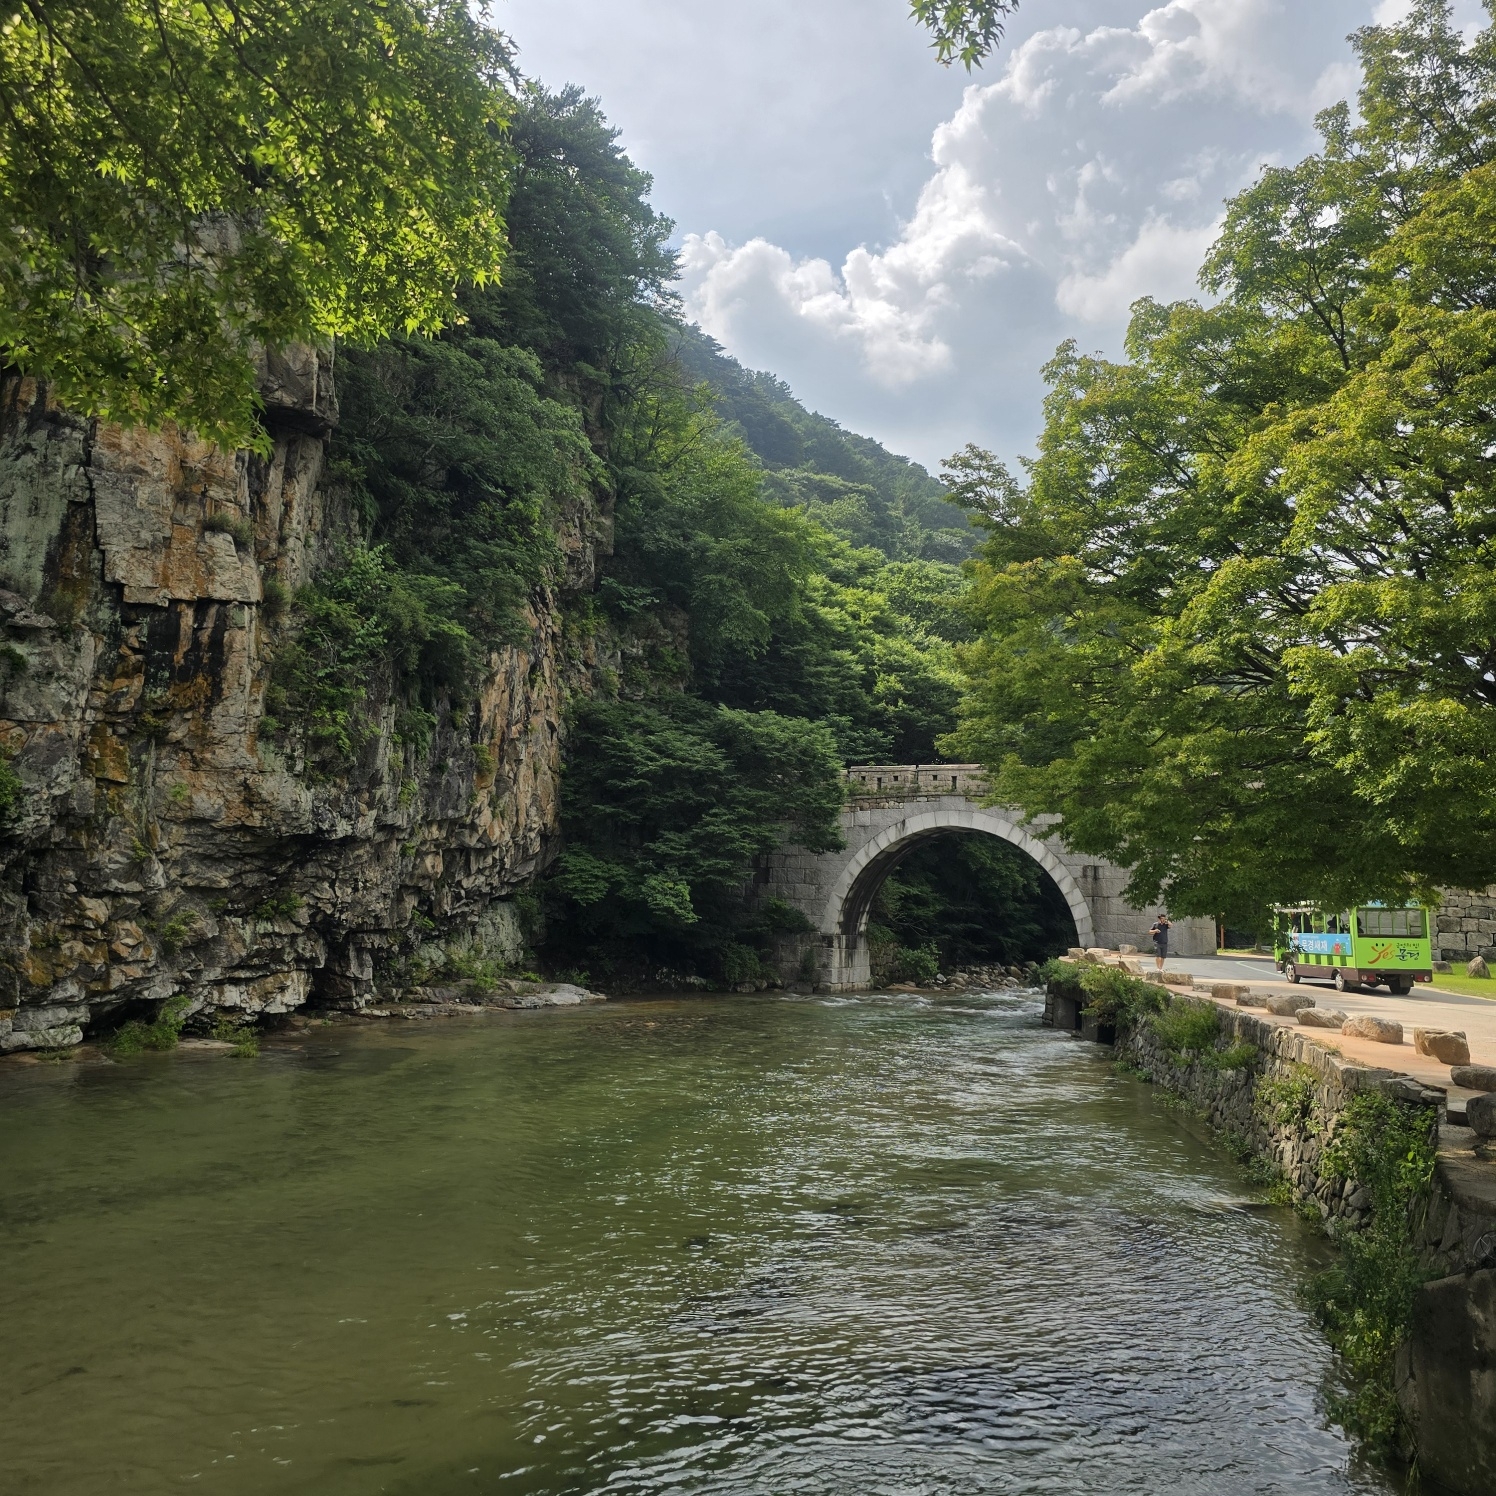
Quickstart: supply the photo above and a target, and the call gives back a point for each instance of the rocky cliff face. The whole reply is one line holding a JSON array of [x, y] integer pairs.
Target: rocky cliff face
[[161, 845]]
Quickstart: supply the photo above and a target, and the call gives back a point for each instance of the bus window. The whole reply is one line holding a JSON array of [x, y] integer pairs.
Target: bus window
[[1405, 924], [1318, 921]]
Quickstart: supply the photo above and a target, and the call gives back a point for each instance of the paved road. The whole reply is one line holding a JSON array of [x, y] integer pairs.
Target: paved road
[[1220, 968]]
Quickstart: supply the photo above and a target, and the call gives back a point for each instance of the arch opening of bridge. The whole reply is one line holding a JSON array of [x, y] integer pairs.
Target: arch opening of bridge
[[845, 915]]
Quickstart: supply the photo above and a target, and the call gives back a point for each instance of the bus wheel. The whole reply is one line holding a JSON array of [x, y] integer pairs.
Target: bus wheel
[[1290, 973], [1341, 985], [1399, 986]]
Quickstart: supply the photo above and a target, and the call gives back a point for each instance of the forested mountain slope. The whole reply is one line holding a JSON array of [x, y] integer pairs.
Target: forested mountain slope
[[851, 484]]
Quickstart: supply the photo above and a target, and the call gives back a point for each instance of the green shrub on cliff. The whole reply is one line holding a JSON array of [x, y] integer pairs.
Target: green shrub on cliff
[[1365, 1301], [161, 1033], [10, 790], [364, 632]]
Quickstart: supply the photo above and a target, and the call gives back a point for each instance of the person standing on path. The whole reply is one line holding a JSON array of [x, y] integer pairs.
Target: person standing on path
[[1160, 934]]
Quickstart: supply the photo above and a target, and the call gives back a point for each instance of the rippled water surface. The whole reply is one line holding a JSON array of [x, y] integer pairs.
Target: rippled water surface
[[879, 1246]]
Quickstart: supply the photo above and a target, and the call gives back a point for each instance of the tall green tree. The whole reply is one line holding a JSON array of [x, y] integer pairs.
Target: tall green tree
[[1237, 626], [183, 182]]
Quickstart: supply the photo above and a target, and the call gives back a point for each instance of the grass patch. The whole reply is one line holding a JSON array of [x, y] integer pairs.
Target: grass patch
[[1172, 1101], [280, 906], [162, 1033], [1189, 1028], [225, 522], [241, 1035], [1461, 986], [1287, 1101]]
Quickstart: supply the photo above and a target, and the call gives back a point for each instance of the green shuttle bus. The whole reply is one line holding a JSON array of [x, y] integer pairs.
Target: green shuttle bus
[[1376, 943]]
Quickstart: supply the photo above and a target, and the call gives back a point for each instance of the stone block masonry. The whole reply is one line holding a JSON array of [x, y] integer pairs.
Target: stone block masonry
[[1465, 925]]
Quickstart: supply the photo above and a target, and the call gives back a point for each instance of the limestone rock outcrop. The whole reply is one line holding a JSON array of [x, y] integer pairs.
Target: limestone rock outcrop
[[162, 844]]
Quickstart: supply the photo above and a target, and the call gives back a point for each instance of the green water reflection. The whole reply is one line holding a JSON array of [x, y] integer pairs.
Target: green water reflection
[[746, 1245]]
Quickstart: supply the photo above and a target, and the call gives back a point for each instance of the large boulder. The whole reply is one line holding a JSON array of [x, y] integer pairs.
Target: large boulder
[[1246, 998], [1480, 1112], [1286, 1004], [1474, 1077], [1448, 1046], [1382, 1030], [1327, 1018], [1476, 967], [1228, 992], [559, 995]]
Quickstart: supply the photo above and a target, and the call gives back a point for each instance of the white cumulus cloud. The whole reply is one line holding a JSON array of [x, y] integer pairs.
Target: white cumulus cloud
[[1162, 262]]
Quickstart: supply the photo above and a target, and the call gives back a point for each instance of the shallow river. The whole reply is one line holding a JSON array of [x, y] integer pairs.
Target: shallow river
[[879, 1246]]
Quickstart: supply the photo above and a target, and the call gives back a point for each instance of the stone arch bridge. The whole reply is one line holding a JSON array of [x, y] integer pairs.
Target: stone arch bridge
[[893, 808]]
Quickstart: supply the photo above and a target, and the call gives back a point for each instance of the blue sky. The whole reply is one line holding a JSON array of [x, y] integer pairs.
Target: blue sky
[[906, 245]]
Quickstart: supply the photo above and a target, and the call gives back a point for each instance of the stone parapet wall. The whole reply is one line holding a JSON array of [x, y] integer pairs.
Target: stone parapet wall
[[897, 782]]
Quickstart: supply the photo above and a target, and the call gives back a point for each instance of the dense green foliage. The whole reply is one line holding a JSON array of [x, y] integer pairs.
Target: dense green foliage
[[1366, 1300], [1237, 626], [11, 790], [184, 181], [1114, 998], [668, 802], [974, 901], [162, 1032]]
